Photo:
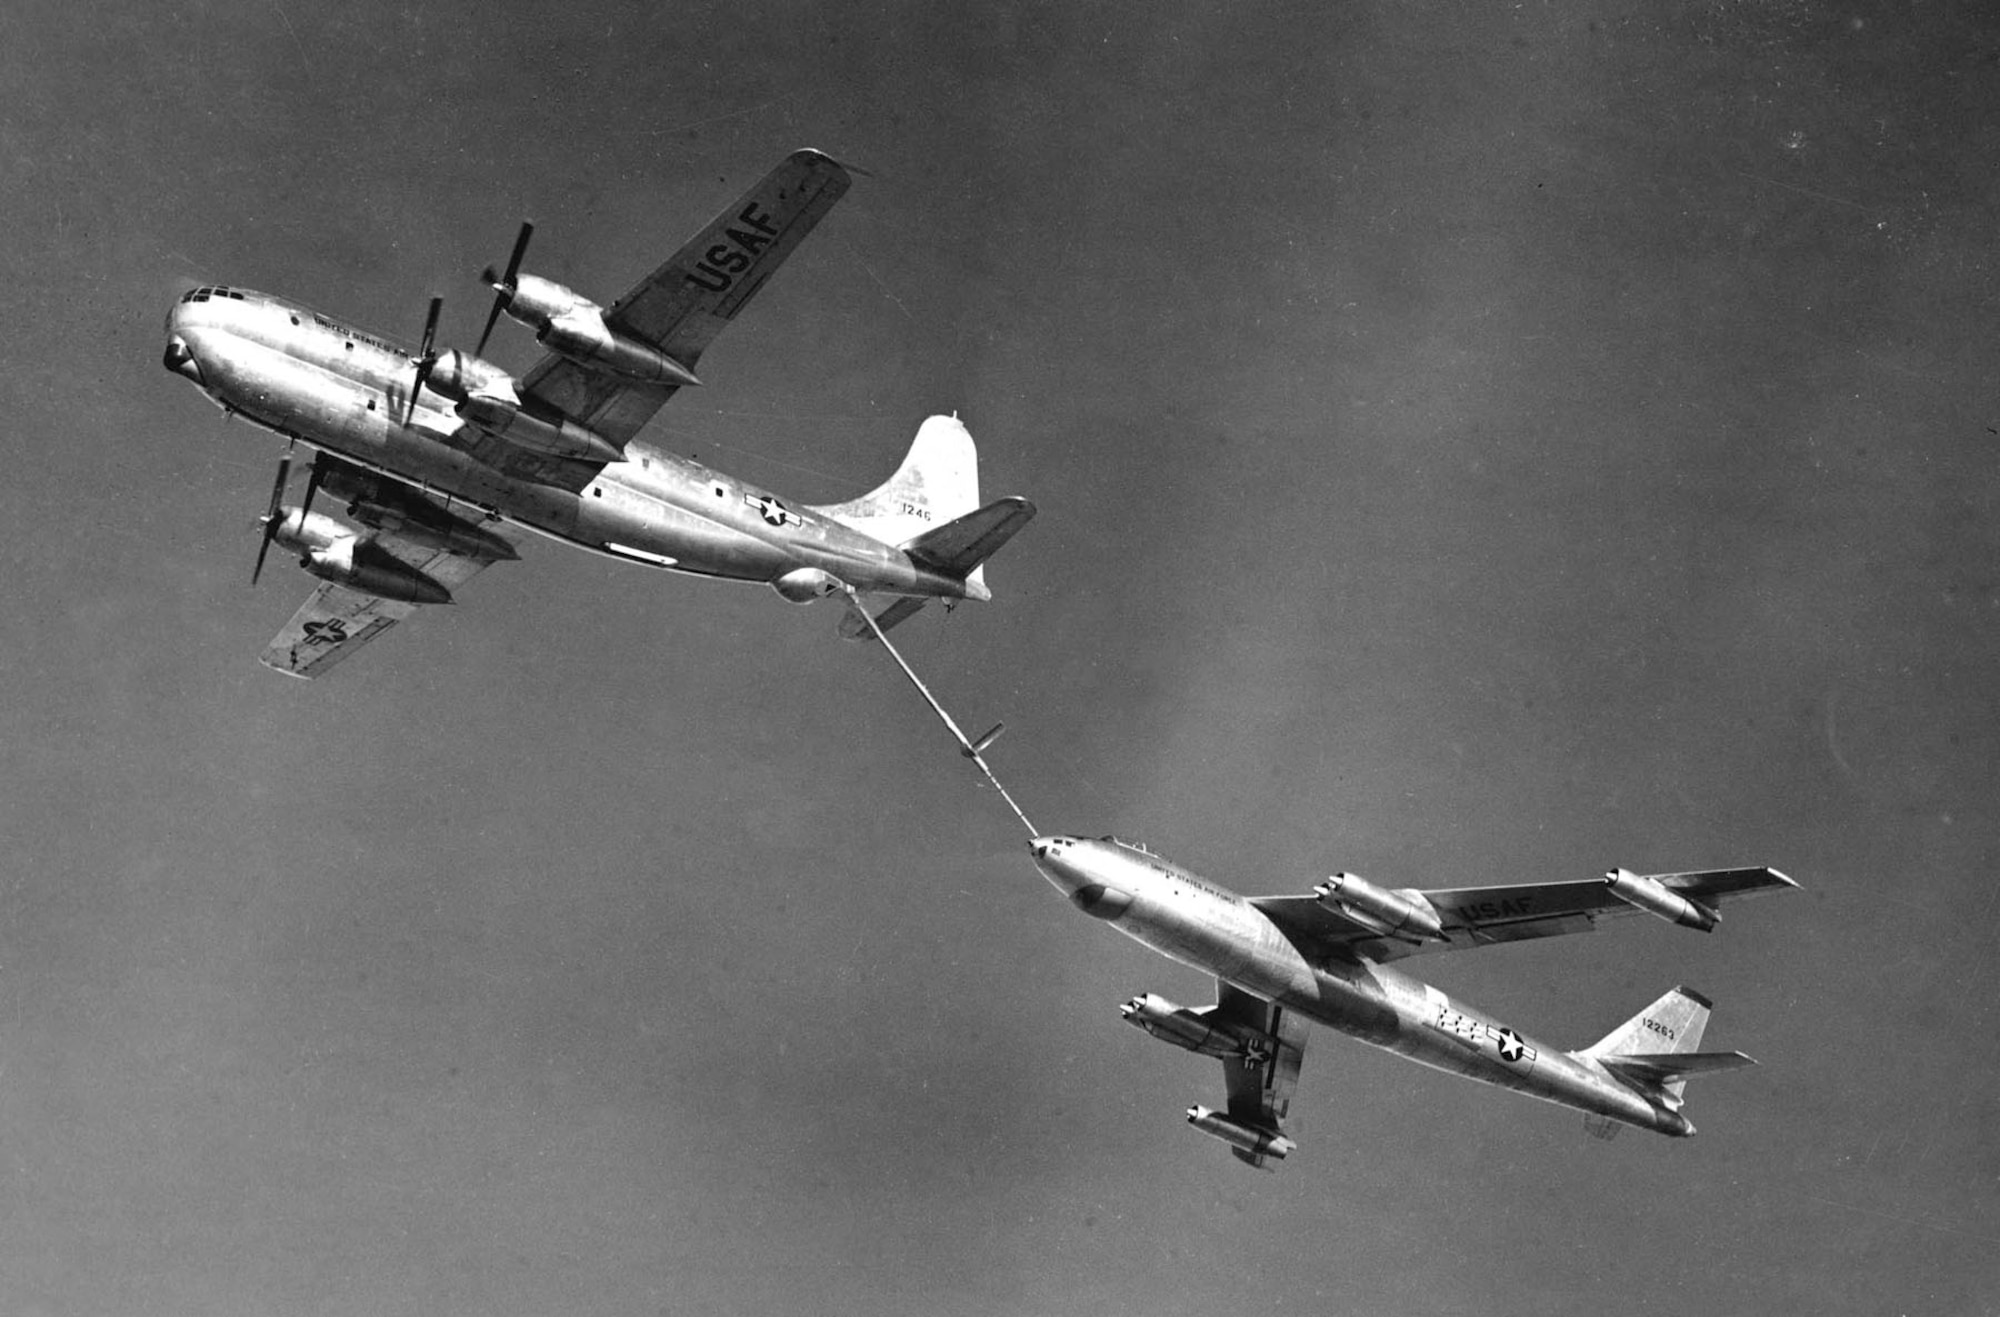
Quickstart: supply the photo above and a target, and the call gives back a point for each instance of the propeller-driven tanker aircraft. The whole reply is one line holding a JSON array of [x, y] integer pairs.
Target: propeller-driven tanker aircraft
[[438, 454], [1282, 961]]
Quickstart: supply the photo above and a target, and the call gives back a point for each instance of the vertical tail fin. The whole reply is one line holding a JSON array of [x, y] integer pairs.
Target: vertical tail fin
[[937, 483], [1674, 1023], [1658, 1048]]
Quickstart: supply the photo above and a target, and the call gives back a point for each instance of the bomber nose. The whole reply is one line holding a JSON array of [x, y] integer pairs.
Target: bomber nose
[[179, 358]]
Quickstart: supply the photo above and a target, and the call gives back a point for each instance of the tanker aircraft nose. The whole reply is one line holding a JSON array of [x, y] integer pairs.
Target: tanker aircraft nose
[[179, 359]]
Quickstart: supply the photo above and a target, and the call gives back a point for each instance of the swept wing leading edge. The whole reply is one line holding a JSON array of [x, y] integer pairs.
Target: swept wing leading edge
[[1483, 916]]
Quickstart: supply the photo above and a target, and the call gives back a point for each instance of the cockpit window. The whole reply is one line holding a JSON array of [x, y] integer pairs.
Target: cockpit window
[[207, 291]]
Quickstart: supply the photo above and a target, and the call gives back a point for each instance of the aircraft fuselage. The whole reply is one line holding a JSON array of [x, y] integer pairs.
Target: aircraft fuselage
[[1203, 925], [308, 377]]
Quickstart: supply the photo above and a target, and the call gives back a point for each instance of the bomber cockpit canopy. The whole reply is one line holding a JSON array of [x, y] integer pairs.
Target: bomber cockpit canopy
[[1129, 844], [206, 291]]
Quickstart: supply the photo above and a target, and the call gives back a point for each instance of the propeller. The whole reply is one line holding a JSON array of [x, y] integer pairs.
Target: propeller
[[313, 477], [271, 516], [503, 285], [426, 359]]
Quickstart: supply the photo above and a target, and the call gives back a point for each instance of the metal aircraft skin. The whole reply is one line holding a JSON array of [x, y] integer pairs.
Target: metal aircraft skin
[[436, 453], [1281, 961]]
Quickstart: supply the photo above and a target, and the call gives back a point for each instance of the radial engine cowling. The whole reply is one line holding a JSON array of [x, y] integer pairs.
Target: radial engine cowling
[[573, 326], [488, 397], [363, 565], [335, 553], [1400, 913], [806, 584]]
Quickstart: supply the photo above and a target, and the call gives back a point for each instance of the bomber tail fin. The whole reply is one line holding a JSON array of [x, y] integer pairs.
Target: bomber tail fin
[[937, 483], [1658, 1049]]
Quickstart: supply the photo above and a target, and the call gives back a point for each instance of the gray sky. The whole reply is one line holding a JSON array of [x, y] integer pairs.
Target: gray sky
[[1472, 445]]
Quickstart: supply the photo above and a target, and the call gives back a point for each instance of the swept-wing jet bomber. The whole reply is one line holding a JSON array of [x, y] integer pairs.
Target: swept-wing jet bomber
[[1281, 961], [438, 454]]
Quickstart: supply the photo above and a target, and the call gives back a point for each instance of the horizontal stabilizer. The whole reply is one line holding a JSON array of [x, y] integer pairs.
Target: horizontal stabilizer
[[1665, 1067], [957, 547], [855, 627]]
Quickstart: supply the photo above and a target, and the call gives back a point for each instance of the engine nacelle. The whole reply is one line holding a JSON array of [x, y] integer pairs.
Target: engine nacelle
[[460, 376], [488, 397], [1655, 899], [802, 585], [1184, 1028], [333, 552], [1257, 1142], [1402, 912], [390, 505], [573, 326]]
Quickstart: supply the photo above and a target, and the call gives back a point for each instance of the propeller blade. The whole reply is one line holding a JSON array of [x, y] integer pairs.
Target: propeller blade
[[313, 478], [503, 285], [425, 358], [520, 248], [431, 326], [271, 513], [500, 300]]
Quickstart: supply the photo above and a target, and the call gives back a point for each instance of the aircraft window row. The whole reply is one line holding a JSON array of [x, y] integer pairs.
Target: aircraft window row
[[204, 293]]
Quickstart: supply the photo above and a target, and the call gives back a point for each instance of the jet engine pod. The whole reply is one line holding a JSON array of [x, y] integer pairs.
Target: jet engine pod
[[1400, 913], [1653, 897], [1268, 1143], [1191, 1029], [802, 585]]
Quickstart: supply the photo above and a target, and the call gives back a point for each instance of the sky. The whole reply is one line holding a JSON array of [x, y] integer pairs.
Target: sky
[[1473, 444]]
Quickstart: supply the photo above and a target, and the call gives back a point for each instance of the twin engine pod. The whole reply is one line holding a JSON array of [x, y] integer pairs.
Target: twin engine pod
[[1654, 897], [1402, 913], [1256, 1142], [1197, 1031]]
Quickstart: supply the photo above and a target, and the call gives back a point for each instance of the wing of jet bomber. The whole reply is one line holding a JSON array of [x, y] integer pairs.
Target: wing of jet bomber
[[335, 621], [1481, 916], [1260, 1084], [678, 309]]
